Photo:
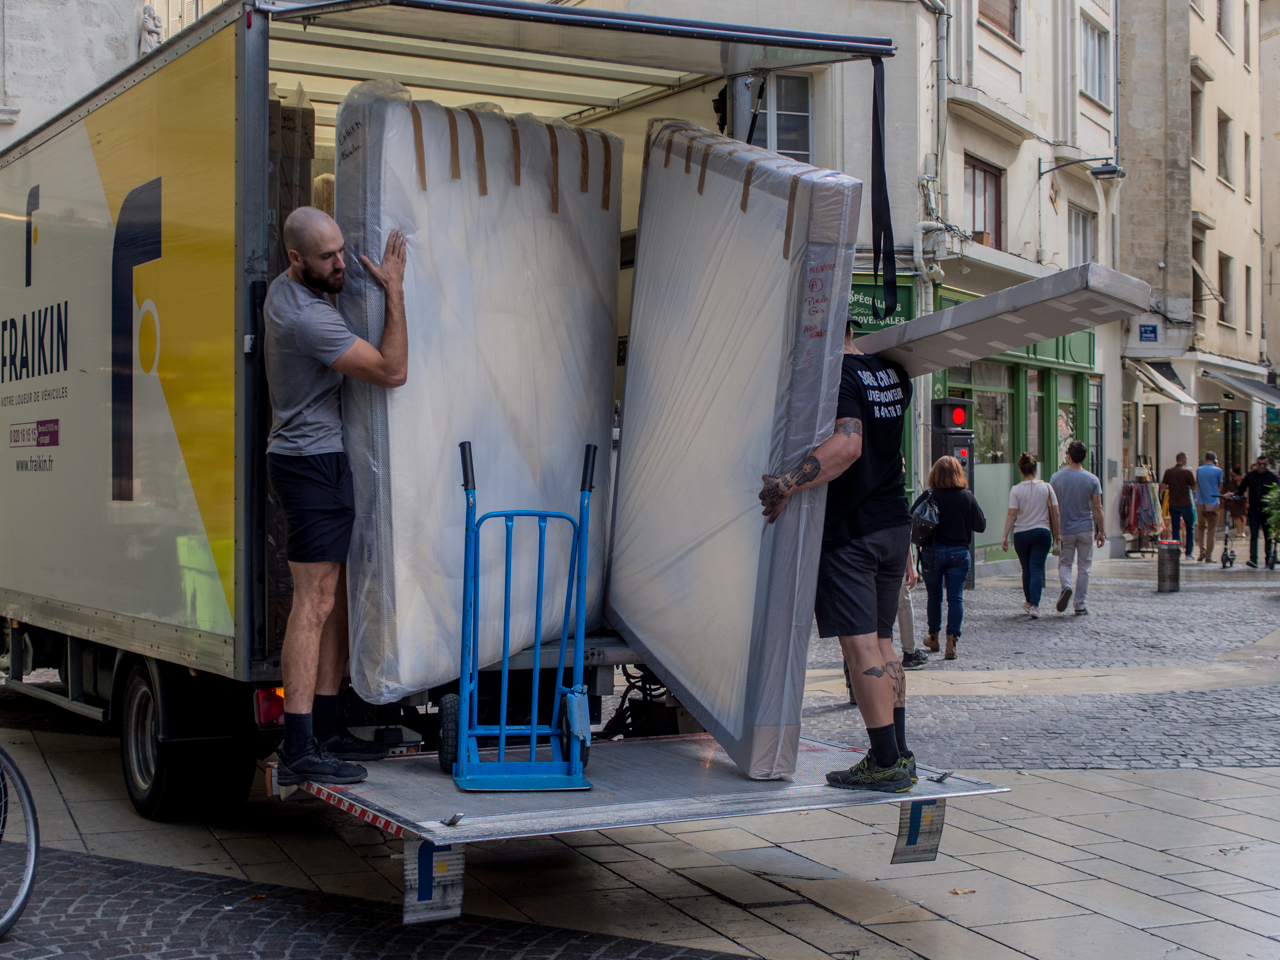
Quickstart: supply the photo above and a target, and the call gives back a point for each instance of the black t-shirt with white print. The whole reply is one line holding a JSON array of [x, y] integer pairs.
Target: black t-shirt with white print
[[871, 495]]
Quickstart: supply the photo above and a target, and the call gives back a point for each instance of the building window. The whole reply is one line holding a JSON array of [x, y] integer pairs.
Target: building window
[[1035, 411], [982, 202], [1066, 415], [1224, 147], [1246, 38], [1224, 20], [178, 14], [1001, 14], [1248, 301], [1096, 61], [1226, 315], [1083, 226], [785, 124], [1248, 167], [1095, 428], [1197, 125]]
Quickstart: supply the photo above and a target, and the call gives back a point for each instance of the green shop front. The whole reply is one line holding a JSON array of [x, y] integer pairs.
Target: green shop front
[[1037, 399]]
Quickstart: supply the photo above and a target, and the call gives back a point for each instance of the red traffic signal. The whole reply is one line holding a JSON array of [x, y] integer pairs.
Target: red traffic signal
[[952, 414], [964, 452]]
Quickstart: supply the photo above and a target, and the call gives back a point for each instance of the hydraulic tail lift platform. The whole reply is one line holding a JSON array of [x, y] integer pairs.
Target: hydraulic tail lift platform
[[634, 783], [637, 781]]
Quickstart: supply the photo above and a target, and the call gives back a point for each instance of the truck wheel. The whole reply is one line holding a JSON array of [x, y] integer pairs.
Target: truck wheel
[[177, 781], [450, 708]]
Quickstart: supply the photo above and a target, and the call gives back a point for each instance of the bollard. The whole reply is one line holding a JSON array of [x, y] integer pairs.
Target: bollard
[[1169, 556]]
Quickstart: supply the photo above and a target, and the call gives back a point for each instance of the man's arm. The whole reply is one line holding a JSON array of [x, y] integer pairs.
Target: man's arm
[[833, 457], [1098, 519], [386, 365]]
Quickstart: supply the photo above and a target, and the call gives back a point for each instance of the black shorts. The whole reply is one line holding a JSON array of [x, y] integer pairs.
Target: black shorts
[[858, 583], [319, 503]]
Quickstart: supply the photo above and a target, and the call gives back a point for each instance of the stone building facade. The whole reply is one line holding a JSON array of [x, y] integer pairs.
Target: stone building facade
[[1190, 137]]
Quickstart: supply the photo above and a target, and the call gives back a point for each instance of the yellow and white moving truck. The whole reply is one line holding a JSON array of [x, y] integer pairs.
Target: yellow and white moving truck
[[136, 245]]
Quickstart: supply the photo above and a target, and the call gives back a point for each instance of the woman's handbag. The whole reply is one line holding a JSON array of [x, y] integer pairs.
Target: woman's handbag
[[924, 520]]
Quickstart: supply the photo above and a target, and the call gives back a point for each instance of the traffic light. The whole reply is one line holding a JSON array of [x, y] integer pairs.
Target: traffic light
[[952, 433]]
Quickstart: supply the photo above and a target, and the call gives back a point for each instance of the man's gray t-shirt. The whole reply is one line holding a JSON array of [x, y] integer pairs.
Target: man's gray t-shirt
[[1075, 490], [305, 335]]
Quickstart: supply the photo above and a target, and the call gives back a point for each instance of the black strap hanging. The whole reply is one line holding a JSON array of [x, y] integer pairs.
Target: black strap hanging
[[881, 219]]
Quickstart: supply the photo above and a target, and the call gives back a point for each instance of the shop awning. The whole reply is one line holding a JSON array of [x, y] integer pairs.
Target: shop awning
[[1159, 384], [1254, 389], [1208, 284], [1064, 302], [548, 59]]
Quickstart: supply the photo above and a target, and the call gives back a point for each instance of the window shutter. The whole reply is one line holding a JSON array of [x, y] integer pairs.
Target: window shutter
[[173, 20], [1001, 14], [190, 10]]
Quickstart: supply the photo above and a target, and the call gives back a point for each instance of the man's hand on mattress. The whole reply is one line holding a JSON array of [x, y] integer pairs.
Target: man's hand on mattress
[[390, 273], [774, 496]]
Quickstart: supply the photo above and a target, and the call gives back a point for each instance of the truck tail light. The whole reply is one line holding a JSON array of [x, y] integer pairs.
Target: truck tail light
[[269, 706]]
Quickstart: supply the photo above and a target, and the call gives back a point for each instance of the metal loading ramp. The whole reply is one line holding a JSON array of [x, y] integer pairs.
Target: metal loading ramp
[[635, 783]]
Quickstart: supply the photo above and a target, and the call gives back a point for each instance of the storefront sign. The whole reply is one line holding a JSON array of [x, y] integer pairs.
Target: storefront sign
[[1210, 407], [864, 291]]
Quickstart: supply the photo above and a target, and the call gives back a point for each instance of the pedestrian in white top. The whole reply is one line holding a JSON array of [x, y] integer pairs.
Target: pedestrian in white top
[[1080, 504], [1033, 507]]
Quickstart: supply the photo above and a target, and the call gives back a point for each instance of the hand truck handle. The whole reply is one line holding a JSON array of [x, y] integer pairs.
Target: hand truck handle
[[589, 467], [468, 471]]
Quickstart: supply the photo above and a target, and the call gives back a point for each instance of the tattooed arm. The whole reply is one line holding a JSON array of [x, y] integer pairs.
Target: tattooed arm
[[832, 458]]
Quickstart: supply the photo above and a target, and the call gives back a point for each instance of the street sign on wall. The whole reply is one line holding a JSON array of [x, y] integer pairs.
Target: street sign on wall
[[864, 291]]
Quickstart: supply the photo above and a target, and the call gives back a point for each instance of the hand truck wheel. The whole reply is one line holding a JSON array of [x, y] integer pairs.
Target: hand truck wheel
[[566, 737], [450, 707]]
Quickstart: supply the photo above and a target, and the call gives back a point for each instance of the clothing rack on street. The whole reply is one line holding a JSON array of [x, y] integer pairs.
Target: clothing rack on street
[[1140, 515]]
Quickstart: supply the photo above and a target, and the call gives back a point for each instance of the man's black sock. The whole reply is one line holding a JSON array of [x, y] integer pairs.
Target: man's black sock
[[900, 730], [297, 734], [884, 744], [324, 713]]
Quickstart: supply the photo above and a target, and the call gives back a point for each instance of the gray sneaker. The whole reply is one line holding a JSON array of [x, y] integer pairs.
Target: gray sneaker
[[869, 775], [1081, 612], [914, 660], [1064, 598]]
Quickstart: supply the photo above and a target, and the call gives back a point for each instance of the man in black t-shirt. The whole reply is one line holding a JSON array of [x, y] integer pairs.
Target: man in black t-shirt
[[1255, 485], [865, 545]]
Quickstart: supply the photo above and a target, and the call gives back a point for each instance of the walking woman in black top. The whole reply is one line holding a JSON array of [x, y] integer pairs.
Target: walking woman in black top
[[946, 560]]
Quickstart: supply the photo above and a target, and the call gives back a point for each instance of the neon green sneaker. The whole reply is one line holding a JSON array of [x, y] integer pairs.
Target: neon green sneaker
[[869, 775], [911, 767]]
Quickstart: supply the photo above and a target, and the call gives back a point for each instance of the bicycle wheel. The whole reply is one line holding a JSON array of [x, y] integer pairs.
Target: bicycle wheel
[[19, 843]]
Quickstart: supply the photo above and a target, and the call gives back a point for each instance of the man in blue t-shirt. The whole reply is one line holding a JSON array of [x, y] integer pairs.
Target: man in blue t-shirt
[[1080, 511], [1208, 504]]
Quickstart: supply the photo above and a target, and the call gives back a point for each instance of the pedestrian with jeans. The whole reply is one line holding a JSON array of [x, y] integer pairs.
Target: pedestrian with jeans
[[866, 540], [1256, 483], [1033, 516], [1208, 504], [1181, 484], [946, 560], [1080, 510]]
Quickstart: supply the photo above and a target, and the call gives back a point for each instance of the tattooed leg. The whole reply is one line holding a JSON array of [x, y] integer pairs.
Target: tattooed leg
[[871, 678], [893, 668]]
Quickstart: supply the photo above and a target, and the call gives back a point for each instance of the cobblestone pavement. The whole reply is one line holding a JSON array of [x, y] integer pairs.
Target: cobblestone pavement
[[95, 907], [1129, 624]]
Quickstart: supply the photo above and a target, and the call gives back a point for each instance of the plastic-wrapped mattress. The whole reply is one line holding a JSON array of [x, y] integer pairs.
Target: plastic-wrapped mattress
[[741, 293], [511, 291]]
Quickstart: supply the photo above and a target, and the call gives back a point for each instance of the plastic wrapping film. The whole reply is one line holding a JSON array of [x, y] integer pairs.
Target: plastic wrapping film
[[743, 267], [511, 299]]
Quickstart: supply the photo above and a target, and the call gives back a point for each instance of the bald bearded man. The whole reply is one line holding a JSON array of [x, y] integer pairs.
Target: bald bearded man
[[309, 349]]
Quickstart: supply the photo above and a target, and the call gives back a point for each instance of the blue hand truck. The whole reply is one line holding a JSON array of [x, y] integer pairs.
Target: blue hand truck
[[568, 735]]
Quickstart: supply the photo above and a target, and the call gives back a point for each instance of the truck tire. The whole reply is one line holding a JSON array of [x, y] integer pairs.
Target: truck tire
[[177, 781], [450, 707]]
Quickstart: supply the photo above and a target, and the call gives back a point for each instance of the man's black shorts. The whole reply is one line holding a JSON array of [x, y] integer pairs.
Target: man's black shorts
[[319, 504], [858, 583]]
